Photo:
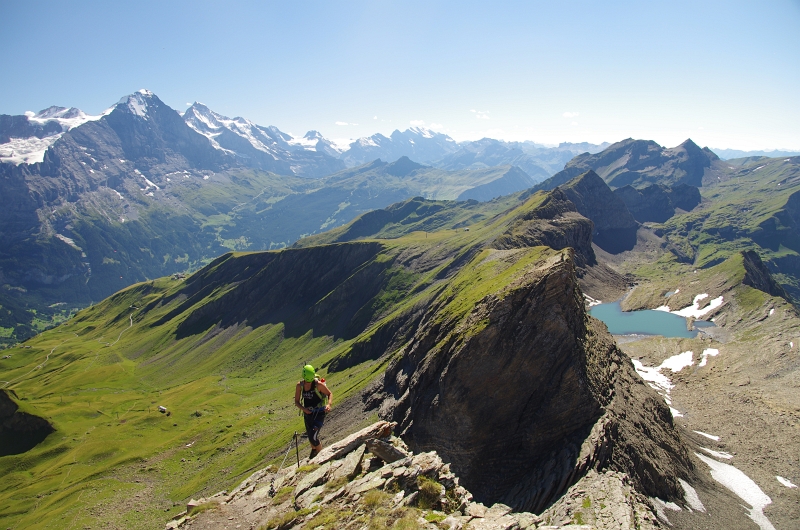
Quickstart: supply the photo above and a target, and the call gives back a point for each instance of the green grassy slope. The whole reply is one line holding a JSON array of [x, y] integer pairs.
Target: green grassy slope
[[92, 244], [221, 350], [755, 208]]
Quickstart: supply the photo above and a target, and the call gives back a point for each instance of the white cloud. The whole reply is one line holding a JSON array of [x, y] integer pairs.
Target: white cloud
[[571, 114], [574, 123], [436, 126], [481, 114], [417, 123], [30, 113], [345, 123], [374, 117], [188, 104]]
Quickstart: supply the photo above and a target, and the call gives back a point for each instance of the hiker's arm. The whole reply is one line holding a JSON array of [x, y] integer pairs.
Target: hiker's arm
[[297, 394], [324, 389]]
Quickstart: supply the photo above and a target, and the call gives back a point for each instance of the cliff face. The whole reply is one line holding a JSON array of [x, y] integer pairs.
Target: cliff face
[[527, 393], [648, 204], [554, 222], [758, 276], [614, 226]]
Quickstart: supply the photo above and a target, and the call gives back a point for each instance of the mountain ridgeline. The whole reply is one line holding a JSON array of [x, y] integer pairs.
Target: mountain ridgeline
[[142, 191]]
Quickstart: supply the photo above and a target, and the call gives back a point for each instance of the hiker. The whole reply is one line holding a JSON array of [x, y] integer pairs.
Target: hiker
[[316, 401]]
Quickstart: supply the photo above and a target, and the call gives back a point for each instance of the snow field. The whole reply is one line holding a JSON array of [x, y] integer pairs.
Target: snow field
[[744, 487]]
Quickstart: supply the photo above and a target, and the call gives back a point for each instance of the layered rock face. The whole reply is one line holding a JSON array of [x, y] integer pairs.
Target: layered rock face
[[648, 204], [527, 405], [555, 223], [656, 203], [614, 226]]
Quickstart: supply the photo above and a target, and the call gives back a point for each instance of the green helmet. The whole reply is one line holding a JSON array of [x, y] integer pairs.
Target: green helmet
[[308, 373]]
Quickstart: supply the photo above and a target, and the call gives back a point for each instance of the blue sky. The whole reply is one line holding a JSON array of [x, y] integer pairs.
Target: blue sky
[[726, 74]]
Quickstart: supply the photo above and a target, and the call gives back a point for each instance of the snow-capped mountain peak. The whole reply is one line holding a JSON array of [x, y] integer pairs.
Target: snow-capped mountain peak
[[422, 131], [68, 118], [29, 144], [137, 103]]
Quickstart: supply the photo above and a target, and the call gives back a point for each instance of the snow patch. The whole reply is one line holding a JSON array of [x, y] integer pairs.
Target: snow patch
[[785, 481], [592, 302], [708, 352], [744, 487], [676, 363], [694, 309], [661, 506], [717, 454], [137, 102], [709, 436], [660, 382], [422, 131], [771, 311], [691, 497]]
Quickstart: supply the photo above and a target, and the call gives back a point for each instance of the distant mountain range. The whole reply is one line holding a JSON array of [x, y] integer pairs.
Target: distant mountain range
[[238, 142], [728, 154], [93, 204]]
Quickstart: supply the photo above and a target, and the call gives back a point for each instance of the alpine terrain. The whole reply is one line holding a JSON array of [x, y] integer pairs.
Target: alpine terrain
[[195, 263]]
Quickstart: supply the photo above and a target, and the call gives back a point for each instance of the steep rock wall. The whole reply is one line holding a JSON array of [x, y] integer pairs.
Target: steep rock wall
[[614, 226], [525, 406]]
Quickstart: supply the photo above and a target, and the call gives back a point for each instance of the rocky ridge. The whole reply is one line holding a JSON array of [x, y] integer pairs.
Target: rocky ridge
[[371, 479], [642, 162]]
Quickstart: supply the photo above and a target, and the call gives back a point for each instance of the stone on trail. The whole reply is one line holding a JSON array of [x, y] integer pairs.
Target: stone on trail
[[385, 451], [350, 465], [341, 448]]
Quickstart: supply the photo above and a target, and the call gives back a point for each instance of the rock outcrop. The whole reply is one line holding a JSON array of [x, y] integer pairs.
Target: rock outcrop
[[554, 222], [527, 394], [758, 276], [614, 226], [352, 488]]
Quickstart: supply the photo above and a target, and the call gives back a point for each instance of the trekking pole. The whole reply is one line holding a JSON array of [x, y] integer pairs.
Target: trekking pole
[[297, 449], [272, 482]]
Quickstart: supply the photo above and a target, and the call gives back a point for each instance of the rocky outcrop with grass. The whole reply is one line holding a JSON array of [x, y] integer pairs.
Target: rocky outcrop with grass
[[526, 394], [371, 480]]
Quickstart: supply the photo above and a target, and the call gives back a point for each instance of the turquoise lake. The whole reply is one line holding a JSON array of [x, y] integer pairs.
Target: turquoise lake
[[647, 322]]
